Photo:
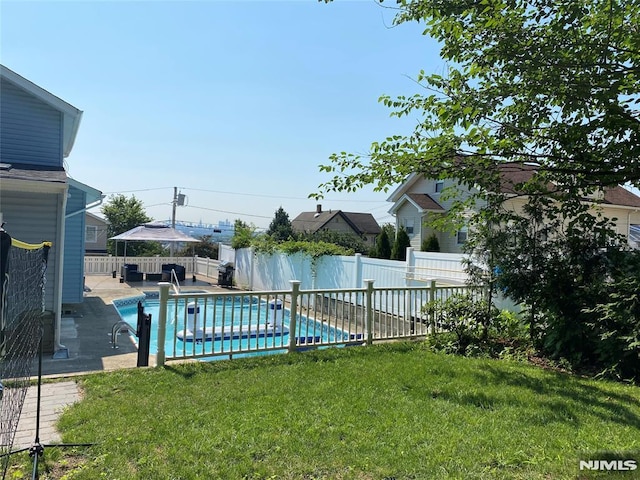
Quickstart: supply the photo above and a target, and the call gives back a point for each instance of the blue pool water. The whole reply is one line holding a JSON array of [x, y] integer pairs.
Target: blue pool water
[[228, 317]]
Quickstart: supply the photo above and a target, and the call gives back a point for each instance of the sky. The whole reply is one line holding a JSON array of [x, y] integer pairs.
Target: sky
[[234, 103]]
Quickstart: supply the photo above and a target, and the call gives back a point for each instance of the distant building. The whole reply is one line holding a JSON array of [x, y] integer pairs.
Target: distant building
[[363, 225], [220, 232], [95, 240]]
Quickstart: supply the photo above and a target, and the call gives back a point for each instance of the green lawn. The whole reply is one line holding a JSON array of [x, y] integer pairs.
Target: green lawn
[[384, 412]]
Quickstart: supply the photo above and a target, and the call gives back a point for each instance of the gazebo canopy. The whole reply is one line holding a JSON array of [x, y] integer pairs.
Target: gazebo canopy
[[156, 232]]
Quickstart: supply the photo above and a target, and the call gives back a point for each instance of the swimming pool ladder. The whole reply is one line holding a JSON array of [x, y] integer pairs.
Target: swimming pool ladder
[[118, 328]]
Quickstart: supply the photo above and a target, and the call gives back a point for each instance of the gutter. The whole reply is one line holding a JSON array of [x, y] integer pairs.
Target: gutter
[[60, 351]]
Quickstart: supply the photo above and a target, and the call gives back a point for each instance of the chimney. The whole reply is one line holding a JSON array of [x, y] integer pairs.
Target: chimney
[[318, 208]]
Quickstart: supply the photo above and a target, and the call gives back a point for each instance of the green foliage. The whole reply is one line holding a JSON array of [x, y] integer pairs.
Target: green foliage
[[349, 241], [313, 249], [280, 227], [554, 84], [382, 247], [580, 287], [466, 325], [243, 234], [430, 244], [400, 245], [206, 248], [124, 213]]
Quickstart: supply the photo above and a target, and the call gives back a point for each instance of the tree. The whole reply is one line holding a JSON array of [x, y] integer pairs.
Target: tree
[[400, 244], [348, 240], [430, 244], [206, 248], [243, 234], [551, 83], [280, 227], [382, 248], [124, 213]]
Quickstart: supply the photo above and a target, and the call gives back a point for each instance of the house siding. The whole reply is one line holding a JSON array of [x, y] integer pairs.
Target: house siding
[[73, 282], [32, 218], [30, 130], [100, 246]]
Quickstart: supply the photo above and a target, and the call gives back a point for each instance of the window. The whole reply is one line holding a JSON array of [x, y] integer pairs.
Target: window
[[408, 226], [439, 186], [91, 234], [462, 235]]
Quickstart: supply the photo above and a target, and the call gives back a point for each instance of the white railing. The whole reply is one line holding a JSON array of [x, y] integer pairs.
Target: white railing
[[107, 264], [193, 325]]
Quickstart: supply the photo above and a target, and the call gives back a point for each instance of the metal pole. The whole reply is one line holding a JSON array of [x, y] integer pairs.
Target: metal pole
[[173, 219]]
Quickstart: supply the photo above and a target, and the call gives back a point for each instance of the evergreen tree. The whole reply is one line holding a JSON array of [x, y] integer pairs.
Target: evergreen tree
[[383, 245], [400, 245], [280, 228]]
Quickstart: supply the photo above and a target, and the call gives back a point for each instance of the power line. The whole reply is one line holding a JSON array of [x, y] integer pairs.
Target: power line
[[231, 213], [245, 194]]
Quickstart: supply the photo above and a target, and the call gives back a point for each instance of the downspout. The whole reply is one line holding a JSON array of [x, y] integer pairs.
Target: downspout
[[60, 351]]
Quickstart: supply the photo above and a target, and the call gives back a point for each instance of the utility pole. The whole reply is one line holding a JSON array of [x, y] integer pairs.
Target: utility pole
[[174, 203]]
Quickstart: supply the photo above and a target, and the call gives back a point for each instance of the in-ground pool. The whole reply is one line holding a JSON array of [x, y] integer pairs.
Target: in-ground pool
[[252, 319]]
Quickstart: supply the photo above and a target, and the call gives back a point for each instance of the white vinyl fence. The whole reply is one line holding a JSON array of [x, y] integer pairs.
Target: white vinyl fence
[[257, 271], [107, 264]]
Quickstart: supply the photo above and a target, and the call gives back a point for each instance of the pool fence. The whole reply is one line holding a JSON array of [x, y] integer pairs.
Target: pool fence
[[317, 318]]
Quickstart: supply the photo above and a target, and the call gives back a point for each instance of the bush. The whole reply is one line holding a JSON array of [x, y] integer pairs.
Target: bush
[[430, 244], [468, 326]]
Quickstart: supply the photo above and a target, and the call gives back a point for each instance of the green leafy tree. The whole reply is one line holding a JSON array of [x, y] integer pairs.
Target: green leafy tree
[[206, 248], [280, 227], [550, 83], [124, 213], [349, 241], [243, 234], [400, 245]]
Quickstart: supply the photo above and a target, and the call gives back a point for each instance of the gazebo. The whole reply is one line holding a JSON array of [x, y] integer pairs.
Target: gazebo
[[154, 232]]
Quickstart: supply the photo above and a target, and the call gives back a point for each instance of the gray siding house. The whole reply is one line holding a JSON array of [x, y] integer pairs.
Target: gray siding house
[[96, 228], [38, 202]]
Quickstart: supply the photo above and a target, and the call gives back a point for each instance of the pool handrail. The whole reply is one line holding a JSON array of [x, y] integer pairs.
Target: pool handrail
[[176, 285], [117, 328]]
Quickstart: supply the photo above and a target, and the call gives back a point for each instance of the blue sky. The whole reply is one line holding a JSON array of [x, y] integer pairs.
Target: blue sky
[[236, 103]]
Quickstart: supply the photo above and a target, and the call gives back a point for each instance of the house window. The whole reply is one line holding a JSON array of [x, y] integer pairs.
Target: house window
[[91, 234], [462, 235], [439, 186], [408, 226]]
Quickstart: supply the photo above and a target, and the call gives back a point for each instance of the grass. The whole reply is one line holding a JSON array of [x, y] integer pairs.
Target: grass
[[383, 412]]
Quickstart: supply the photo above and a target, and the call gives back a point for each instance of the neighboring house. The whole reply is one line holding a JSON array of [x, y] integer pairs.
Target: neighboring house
[[38, 202], [363, 225], [95, 242], [418, 199]]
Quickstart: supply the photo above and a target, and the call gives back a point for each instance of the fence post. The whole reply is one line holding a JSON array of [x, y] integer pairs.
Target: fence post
[[432, 314], [410, 265], [162, 322], [293, 327], [368, 311], [357, 266]]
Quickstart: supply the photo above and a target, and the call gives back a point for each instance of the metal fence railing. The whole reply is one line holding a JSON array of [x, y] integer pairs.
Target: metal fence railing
[[194, 325]]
